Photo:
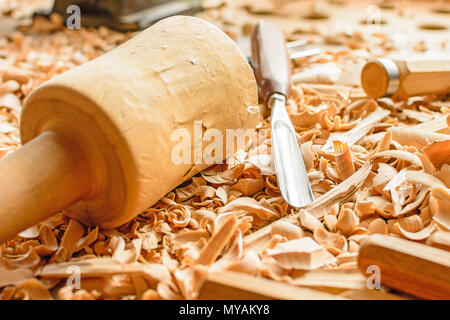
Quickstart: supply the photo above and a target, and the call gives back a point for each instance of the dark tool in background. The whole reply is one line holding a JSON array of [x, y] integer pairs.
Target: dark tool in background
[[124, 15]]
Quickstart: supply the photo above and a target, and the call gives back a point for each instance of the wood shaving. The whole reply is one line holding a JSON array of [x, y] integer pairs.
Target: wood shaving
[[347, 221], [344, 161], [438, 153], [419, 235], [416, 137], [440, 239], [303, 254], [375, 166], [378, 226], [440, 206], [287, 230], [333, 242]]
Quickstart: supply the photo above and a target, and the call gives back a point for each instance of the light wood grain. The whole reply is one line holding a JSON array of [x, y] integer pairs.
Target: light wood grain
[[228, 285], [45, 176], [410, 267]]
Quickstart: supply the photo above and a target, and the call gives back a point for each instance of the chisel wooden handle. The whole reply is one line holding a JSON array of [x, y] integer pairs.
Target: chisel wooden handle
[[404, 78], [272, 64], [410, 267]]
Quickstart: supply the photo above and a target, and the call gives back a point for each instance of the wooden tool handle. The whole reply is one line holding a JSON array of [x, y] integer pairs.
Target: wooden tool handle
[[404, 78], [410, 267], [272, 63], [43, 177]]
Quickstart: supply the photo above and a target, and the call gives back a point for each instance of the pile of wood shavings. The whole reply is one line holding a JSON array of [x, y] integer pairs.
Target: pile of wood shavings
[[374, 166]]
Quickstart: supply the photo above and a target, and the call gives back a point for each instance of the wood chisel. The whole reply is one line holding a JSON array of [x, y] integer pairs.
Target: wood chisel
[[273, 74]]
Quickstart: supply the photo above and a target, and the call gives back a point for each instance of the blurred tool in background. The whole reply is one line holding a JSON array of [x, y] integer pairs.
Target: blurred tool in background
[[124, 15]]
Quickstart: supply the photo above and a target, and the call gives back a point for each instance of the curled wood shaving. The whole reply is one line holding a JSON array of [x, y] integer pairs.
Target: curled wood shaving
[[32, 289], [440, 239], [308, 154], [251, 207], [419, 235], [287, 230], [389, 172], [179, 215], [378, 226], [416, 137], [319, 206], [410, 224], [69, 241], [26, 259], [104, 267], [216, 176], [304, 254], [333, 242], [218, 241], [399, 154], [347, 221], [308, 221], [440, 206], [250, 264], [438, 153], [249, 187], [358, 132], [330, 221], [342, 192], [344, 162]]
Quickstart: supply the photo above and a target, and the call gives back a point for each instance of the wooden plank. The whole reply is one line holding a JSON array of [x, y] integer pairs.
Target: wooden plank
[[370, 294], [229, 285], [409, 267]]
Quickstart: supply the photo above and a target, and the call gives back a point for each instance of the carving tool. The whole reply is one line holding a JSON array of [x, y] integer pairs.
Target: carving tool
[[403, 78], [273, 73]]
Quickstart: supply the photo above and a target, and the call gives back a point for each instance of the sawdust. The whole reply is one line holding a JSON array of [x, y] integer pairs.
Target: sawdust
[[388, 173]]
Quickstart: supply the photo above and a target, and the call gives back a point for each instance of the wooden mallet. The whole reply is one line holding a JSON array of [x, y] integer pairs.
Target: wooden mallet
[[402, 78], [98, 139]]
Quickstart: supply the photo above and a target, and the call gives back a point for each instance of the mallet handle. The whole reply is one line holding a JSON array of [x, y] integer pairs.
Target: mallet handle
[[40, 179]]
